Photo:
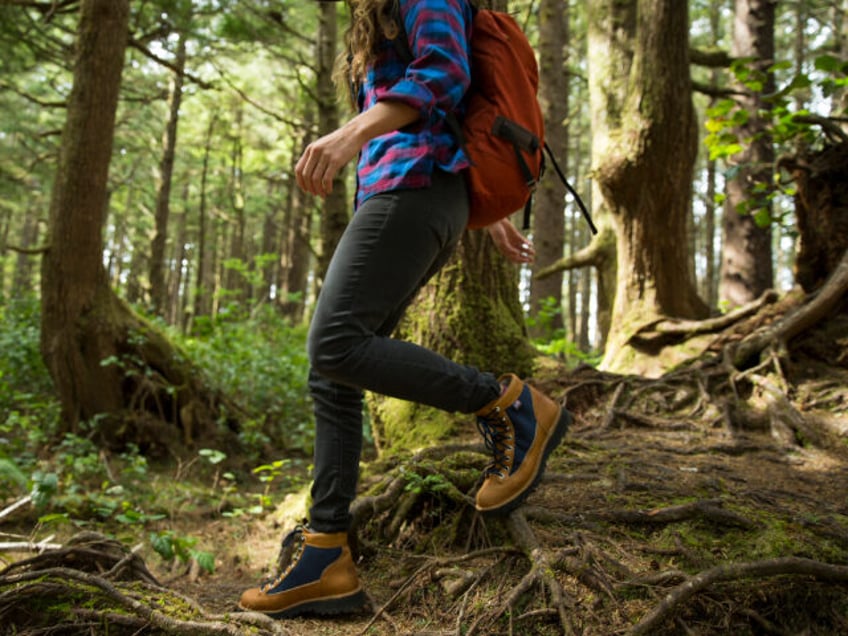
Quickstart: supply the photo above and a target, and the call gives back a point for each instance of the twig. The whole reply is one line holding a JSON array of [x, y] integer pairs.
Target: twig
[[29, 546], [19, 503]]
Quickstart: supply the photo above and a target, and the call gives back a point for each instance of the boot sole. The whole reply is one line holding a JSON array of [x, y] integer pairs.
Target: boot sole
[[323, 607], [554, 440]]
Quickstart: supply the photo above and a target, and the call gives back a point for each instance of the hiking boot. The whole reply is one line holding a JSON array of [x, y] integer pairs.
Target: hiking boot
[[320, 579], [520, 428]]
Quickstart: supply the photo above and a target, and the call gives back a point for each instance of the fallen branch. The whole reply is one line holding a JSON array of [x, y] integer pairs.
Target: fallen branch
[[757, 569], [28, 546], [18, 504]]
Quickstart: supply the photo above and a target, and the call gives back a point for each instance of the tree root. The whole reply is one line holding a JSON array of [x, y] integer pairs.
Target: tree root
[[757, 569], [432, 565], [821, 304], [115, 590]]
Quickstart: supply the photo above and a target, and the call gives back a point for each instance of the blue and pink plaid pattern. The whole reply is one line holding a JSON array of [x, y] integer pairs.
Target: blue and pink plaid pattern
[[434, 83]]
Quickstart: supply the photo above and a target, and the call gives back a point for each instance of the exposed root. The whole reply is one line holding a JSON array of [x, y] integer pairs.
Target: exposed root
[[110, 588], [433, 567], [731, 572]]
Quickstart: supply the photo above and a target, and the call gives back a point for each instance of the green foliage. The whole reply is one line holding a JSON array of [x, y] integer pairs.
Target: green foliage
[[28, 409], [431, 483], [555, 342], [25, 385], [261, 362], [171, 546], [787, 126]]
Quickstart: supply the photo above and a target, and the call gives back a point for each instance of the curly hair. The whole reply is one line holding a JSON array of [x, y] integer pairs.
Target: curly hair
[[372, 22]]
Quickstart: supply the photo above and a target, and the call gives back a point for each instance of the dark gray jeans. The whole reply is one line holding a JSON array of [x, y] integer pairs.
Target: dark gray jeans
[[394, 244]]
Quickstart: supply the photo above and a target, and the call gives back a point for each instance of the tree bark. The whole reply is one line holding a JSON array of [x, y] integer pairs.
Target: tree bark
[[104, 360], [549, 219], [295, 252], [746, 269], [74, 285], [158, 283], [335, 214], [22, 284], [205, 271], [645, 146]]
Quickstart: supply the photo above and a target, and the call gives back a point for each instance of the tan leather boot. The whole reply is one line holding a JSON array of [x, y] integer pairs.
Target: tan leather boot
[[320, 579], [521, 428]]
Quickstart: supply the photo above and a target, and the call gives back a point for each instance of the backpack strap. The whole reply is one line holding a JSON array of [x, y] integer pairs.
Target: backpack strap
[[573, 192]]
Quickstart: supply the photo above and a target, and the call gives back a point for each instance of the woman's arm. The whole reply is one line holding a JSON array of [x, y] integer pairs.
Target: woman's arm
[[324, 158]]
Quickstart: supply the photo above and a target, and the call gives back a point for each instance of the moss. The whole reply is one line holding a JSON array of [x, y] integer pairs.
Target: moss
[[406, 426]]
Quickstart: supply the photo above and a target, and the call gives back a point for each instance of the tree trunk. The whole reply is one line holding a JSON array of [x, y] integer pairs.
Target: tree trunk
[[549, 218], [296, 252], [839, 99], [158, 284], [173, 308], [5, 228], [205, 271], [821, 207], [469, 312], [22, 282], [271, 241], [107, 364], [746, 270], [335, 215], [645, 143], [236, 280]]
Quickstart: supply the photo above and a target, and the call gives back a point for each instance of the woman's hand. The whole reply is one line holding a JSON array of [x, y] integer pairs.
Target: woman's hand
[[511, 243], [323, 159]]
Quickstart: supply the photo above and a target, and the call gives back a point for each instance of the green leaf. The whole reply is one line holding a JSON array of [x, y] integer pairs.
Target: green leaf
[[163, 544], [783, 65], [205, 560], [762, 217], [827, 63]]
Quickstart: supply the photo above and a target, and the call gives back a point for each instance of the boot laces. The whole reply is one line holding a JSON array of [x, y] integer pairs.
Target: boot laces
[[295, 535], [497, 433]]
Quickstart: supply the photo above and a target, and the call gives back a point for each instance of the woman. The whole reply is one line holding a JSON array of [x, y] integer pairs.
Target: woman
[[411, 210]]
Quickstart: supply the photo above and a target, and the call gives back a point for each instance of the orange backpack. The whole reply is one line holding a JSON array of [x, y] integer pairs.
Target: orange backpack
[[502, 131]]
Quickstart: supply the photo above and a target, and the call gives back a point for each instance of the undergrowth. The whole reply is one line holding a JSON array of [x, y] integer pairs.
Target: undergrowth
[[259, 360]]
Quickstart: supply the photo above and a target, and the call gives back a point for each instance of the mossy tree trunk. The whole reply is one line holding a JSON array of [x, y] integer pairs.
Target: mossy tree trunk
[[645, 138], [469, 312], [107, 364]]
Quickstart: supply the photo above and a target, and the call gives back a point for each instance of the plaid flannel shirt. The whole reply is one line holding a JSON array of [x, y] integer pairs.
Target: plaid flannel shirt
[[434, 83]]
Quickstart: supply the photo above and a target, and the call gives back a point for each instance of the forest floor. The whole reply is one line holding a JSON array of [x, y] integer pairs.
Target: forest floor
[[706, 493], [702, 502], [729, 498]]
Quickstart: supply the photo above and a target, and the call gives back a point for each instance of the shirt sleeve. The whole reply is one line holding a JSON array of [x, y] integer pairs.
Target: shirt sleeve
[[439, 74]]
